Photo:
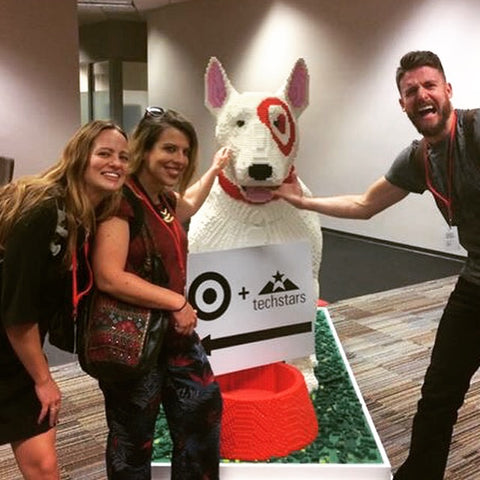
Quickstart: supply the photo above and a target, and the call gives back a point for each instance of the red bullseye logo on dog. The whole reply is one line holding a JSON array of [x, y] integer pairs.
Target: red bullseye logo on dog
[[276, 115]]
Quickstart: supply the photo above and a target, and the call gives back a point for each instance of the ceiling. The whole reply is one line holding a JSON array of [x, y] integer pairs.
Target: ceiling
[[94, 11]]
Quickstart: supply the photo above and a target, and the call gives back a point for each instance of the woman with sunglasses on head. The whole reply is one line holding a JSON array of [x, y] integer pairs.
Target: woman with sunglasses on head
[[45, 222], [163, 161]]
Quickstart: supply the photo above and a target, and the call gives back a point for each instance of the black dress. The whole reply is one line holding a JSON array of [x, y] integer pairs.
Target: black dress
[[35, 287]]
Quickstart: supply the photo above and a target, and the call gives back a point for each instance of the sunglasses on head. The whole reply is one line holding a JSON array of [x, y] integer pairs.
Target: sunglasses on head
[[154, 112]]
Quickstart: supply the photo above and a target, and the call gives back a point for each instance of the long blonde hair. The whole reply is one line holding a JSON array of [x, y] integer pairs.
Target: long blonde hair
[[65, 179]]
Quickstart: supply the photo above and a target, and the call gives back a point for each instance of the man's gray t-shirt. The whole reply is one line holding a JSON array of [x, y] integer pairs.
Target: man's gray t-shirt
[[408, 173]]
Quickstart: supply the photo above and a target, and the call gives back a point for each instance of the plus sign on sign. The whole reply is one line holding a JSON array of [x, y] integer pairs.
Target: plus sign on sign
[[255, 305]]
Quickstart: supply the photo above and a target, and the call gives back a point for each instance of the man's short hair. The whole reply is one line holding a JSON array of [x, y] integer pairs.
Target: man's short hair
[[417, 59]]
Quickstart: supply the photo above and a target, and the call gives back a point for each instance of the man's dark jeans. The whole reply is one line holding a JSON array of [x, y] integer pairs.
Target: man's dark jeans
[[455, 358]]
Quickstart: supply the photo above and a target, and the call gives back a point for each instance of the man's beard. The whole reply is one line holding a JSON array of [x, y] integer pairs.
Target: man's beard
[[433, 130]]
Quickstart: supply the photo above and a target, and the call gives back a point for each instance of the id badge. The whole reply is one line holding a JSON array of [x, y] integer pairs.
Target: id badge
[[452, 242]]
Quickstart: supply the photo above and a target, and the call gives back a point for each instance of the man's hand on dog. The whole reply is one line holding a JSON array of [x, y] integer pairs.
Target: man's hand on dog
[[291, 191]]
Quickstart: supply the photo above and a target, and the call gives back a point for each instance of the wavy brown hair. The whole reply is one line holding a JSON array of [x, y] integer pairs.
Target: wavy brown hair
[[147, 133], [65, 179]]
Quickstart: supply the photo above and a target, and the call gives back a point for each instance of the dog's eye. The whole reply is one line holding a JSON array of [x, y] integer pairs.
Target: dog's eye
[[280, 123], [240, 123]]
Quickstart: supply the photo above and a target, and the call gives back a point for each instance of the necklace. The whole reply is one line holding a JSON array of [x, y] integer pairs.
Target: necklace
[[166, 218]]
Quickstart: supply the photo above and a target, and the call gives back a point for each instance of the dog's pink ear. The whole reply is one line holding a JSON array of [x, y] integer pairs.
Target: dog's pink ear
[[217, 86], [296, 88]]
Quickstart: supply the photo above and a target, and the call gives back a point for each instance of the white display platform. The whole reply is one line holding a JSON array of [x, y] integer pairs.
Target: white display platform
[[294, 471]]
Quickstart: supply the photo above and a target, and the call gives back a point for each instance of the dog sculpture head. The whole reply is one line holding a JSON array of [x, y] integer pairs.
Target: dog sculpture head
[[260, 128]]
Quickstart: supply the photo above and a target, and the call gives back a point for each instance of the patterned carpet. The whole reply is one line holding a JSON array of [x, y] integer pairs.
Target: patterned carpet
[[81, 431], [387, 337]]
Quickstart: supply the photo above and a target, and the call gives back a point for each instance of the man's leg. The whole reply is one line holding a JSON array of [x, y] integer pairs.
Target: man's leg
[[455, 358]]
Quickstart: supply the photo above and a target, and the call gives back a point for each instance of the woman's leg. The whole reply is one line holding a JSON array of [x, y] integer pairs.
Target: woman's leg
[[193, 407], [131, 409], [455, 358], [37, 457]]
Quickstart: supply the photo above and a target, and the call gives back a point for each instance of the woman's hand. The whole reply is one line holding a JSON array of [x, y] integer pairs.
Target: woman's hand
[[193, 198], [185, 319], [49, 396], [221, 159], [25, 340]]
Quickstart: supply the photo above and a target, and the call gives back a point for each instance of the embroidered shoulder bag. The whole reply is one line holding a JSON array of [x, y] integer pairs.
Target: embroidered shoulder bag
[[117, 340]]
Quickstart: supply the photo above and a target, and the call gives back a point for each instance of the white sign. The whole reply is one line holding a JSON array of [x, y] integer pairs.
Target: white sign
[[255, 305]]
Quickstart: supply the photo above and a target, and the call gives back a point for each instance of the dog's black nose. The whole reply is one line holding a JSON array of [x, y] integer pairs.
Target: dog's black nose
[[260, 171]]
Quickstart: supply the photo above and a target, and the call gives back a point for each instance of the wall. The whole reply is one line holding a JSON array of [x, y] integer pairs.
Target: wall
[[353, 128], [38, 81], [118, 50], [124, 40]]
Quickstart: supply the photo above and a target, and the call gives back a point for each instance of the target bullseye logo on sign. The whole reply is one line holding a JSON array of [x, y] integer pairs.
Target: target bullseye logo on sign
[[210, 295], [255, 305]]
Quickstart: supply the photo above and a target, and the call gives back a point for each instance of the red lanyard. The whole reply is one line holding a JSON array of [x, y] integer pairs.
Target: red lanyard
[[76, 295], [445, 200], [174, 231]]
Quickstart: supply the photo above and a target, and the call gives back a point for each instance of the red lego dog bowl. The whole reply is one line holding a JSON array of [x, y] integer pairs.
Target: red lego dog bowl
[[267, 412]]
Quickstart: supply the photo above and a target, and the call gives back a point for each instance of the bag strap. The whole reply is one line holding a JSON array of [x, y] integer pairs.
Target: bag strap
[[137, 206], [139, 225], [138, 215], [472, 146], [153, 260], [418, 156]]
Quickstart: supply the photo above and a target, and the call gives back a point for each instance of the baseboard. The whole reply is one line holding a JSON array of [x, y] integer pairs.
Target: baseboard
[[395, 245]]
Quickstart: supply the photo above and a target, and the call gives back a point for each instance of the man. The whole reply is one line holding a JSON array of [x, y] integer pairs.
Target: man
[[446, 162]]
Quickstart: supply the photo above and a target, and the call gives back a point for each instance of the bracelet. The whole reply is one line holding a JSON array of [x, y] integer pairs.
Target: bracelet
[[181, 308]]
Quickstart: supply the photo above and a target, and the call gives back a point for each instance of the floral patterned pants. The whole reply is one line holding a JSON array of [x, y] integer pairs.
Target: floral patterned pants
[[184, 383]]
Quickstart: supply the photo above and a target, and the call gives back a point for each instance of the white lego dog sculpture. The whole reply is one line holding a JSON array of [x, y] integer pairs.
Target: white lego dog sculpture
[[261, 130]]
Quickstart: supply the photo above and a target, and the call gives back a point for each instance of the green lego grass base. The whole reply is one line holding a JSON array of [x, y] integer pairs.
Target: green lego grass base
[[344, 434]]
